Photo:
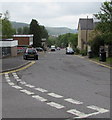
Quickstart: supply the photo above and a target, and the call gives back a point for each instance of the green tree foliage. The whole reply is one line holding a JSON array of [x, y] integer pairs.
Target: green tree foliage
[[25, 30], [52, 41], [7, 29], [44, 32], [105, 24], [96, 43], [69, 38], [36, 31], [19, 31]]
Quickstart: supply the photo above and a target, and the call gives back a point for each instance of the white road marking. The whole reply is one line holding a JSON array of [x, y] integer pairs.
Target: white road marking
[[7, 77], [101, 110], [73, 101], [39, 98], [8, 80], [17, 87], [28, 85], [6, 74], [55, 95], [11, 83], [56, 105], [41, 90], [16, 77], [14, 73], [23, 82], [77, 113], [27, 92], [18, 80], [83, 115]]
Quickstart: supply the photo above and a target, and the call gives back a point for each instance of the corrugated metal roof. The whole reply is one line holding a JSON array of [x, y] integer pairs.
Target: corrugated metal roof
[[86, 24]]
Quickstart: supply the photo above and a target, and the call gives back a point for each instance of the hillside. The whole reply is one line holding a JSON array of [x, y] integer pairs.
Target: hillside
[[51, 30], [60, 30]]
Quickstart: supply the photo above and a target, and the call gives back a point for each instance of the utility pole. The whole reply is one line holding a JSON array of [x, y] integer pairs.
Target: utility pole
[[86, 33]]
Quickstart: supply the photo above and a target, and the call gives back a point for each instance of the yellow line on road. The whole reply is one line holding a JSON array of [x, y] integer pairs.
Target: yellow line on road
[[101, 64], [22, 68], [96, 62]]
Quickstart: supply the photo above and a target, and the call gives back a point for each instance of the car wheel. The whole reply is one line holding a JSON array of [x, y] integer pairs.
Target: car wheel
[[37, 58]]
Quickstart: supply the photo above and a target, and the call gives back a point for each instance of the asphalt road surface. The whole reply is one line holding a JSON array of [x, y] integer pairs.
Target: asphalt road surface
[[57, 86]]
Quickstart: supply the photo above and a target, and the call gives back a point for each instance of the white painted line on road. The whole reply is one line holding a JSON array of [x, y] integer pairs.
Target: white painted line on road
[[30, 86], [101, 110], [8, 80], [41, 90], [55, 95], [73, 101], [56, 105], [39, 98], [18, 80], [17, 87], [7, 77], [23, 83], [27, 92], [14, 73], [16, 77], [83, 115], [77, 113], [11, 83]]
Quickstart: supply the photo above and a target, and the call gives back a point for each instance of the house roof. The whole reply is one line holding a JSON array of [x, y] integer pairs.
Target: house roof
[[31, 35], [86, 24]]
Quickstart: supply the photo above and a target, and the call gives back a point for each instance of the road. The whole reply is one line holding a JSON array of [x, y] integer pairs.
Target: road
[[57, 86]]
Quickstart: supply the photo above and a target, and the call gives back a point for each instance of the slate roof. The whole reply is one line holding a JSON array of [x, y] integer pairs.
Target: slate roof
[[86, 24]]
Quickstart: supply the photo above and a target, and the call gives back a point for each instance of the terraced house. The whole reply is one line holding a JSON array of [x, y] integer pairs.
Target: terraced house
[[85, 27]]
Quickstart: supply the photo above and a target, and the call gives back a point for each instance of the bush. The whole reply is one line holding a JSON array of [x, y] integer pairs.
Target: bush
[[77, 51], [83, 52]]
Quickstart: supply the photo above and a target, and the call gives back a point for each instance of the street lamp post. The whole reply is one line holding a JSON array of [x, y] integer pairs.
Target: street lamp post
[[86, 34]]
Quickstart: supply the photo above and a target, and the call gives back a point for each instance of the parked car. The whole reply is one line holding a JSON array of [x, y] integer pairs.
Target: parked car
[[58, 48], [53, 48], [39, 49], [30, 53], [69, 50]]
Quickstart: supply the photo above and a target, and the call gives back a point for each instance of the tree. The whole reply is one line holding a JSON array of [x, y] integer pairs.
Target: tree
[[105, 24], [36, 31], [19, 31], [25, 30], [44, 32], [7, 29], [68, 38]]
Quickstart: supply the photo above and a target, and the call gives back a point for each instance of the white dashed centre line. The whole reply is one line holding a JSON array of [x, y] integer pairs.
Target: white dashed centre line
[[8, 80], [7, 77], [23, 83], [55, 95], [27, 92], [11, 83], [39, 98], [56, 105], [41, 90], [73, 101], [18, 80], [30, 86], [17, 87]]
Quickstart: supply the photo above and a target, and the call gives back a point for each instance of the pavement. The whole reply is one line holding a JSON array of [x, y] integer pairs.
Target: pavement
[[12, 63]]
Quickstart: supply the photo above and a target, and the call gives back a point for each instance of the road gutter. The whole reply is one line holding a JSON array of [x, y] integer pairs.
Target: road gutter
[[107, 66], [19, 68]]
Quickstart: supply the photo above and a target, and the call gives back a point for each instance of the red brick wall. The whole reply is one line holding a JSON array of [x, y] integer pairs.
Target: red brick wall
[[22, 41]]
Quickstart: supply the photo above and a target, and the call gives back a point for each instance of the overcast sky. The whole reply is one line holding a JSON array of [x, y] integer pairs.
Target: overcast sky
[[51, 13]]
